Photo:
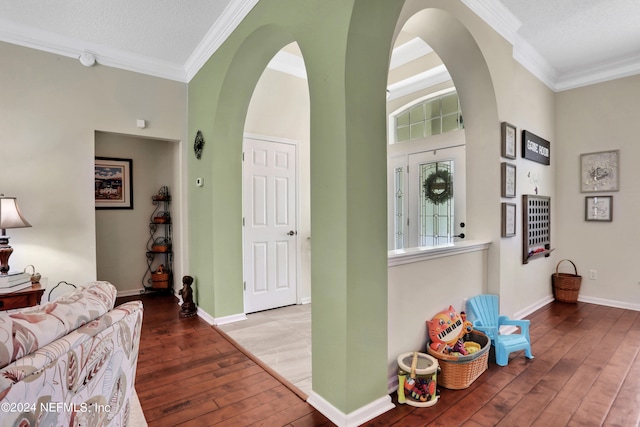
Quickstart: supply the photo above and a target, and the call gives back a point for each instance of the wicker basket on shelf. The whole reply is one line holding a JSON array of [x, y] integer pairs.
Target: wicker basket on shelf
[[566, 286], [459, 372]]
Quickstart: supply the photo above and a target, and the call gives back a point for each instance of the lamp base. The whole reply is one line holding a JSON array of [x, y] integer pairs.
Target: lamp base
[[5, 253]]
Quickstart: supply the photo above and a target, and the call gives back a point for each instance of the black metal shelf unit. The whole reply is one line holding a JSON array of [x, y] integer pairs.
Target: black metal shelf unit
[[159, 273]]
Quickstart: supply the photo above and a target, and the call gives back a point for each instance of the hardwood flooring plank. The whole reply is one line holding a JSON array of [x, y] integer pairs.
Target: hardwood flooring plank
[[625, 410], [587, 361]]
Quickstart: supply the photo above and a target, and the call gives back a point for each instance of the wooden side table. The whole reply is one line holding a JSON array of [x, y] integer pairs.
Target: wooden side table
[[27, 297]]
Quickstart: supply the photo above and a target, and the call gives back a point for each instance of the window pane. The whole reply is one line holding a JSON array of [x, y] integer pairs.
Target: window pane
[[417, 113], [433, 127], [449, 104], [430, 117], [403, 119], [417, 130], [436, 219], [399, 208], [433, 108], [449, 123], [403, 133]]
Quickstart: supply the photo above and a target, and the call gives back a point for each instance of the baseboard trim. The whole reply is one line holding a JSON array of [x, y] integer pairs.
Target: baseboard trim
[[533, 307], [609, 303], [355, 418]]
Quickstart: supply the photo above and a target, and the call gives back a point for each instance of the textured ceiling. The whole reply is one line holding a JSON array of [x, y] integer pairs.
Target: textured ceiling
[[565, 43], [167, 30], [576, 34]]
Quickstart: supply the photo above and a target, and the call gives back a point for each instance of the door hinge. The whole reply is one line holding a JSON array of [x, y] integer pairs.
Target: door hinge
[[243, 156], [244, 286], [407, 222], [243, 221]]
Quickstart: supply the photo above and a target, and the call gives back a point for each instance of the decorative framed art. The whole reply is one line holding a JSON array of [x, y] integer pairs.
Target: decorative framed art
[[508, 180], [599, 171], [508, 137], [113, 183], [598, 208], [508, 219]]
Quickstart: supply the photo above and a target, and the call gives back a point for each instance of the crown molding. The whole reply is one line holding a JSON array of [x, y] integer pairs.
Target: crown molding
[[410, 51], [496, 15], [418, 82], [228, 20], [73, 48], [599, 73]]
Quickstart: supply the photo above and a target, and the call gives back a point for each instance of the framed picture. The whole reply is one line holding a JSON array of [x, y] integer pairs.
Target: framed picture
[[508, 134], [508, 180], [113, 183], [508, 219], [599, 171], [598, 208]]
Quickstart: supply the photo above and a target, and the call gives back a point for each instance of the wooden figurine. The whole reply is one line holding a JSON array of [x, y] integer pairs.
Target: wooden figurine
[[188, 306]]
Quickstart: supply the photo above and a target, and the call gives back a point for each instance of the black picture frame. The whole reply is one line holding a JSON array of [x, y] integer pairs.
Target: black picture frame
[[113, 188], [598, 208]]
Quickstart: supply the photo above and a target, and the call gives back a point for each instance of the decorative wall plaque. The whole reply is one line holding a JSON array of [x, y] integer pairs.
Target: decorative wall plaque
[[535, 148], [599, 171]]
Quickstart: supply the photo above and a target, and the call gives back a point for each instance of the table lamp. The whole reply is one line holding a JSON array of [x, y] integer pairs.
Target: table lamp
[[10, 217]]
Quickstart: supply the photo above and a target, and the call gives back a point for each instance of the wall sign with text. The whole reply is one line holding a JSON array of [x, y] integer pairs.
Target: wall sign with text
[[535, 148]]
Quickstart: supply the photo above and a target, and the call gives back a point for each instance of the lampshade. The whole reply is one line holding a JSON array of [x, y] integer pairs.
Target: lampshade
[[10, 216]]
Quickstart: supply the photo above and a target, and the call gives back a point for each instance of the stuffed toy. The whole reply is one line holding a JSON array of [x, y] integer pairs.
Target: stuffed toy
[[446, 330]]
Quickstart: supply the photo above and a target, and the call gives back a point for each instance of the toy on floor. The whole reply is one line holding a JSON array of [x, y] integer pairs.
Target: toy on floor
[[417, 379], [446, 330]]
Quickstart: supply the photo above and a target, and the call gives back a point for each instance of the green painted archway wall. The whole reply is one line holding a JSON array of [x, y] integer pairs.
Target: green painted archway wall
[[347, 73], [346, 46]]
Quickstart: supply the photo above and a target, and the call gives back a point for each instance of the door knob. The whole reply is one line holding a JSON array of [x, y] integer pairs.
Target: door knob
[[292, 233]]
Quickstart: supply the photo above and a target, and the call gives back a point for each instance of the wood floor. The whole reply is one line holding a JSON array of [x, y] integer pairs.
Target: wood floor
[[586, 372]]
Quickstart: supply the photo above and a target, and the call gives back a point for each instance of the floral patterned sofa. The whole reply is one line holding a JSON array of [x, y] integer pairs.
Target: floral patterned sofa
[[70, 362]]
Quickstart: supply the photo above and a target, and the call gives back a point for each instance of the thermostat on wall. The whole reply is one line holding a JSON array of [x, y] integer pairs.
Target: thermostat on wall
[[199, 182]]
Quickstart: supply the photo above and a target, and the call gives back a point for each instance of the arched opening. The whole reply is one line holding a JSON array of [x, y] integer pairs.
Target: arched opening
[[448, 280], [426, 149], [277, 223]]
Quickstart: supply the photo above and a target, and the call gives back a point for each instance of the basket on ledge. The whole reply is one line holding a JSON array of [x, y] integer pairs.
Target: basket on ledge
[[566, 286]]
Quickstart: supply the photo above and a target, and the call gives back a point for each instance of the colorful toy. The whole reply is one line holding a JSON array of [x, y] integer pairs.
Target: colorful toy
[[417, 379], [446, 330]]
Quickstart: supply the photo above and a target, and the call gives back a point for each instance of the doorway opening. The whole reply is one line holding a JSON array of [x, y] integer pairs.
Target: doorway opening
[[121, 234]]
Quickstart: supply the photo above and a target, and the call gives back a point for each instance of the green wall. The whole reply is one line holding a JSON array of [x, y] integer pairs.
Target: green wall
[[347, 67]]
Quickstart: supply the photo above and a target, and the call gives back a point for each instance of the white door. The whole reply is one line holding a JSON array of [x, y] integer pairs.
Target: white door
[[270, 224], [435, 223]]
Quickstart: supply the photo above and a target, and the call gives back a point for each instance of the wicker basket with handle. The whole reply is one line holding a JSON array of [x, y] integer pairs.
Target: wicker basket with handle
[[459, 372], [566, 286]]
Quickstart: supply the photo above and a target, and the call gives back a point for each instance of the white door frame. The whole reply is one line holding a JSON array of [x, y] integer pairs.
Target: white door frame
[[298, 244]]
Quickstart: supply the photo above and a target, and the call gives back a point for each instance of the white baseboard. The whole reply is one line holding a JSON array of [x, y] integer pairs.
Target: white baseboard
[[129, 293], [355, 418], [609, 303], [533, 307], [582, 298]]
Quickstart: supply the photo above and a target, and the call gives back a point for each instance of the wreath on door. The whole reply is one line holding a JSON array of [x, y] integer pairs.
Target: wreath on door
[[438, 187]]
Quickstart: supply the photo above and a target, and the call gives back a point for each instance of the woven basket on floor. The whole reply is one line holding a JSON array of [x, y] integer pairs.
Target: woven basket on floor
[[458, 372], [566, 286]]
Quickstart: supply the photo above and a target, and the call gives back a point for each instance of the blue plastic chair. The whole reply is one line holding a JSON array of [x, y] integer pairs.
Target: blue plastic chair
[[485, 310]]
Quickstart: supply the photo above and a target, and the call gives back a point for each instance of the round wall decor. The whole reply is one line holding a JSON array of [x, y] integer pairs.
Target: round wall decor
[[438, 187]]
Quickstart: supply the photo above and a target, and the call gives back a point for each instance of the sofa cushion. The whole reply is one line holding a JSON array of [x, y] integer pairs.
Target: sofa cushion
[[24, 331]]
